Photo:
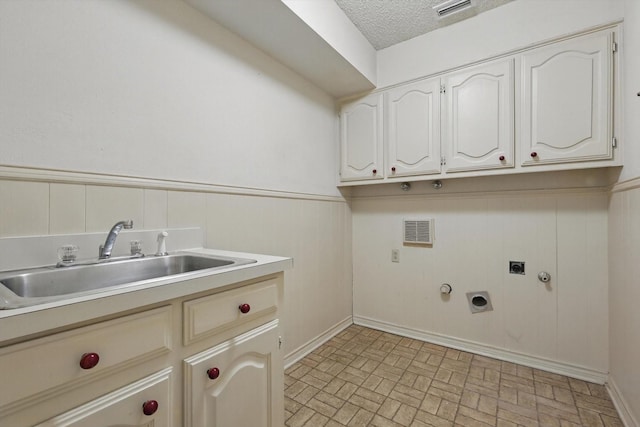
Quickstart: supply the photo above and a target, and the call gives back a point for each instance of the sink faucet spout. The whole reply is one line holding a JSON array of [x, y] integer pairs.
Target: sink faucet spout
[[105, 250]]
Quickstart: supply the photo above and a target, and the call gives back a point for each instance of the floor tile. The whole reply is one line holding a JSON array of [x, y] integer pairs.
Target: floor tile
[[364, 377]]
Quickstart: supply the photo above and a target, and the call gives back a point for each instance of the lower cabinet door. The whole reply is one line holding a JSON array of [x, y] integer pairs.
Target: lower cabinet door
[[143, 403], [237, 383]]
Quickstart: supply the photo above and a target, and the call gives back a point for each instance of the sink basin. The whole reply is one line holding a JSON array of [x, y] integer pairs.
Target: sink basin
[[41, 283]]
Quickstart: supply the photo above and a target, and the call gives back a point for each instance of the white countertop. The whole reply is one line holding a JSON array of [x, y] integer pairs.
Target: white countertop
[[26, 321]]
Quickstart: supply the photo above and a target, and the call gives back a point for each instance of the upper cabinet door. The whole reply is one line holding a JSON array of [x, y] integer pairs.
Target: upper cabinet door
[[478, 126], [567, 101], [361, 126], [413, 129]]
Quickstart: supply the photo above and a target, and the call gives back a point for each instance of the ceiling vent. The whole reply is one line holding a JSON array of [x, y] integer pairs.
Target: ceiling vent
[[418, 232], [452, 6]]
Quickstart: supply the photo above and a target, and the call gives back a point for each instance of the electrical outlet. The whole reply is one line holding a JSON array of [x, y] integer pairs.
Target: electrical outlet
[[395, 255]]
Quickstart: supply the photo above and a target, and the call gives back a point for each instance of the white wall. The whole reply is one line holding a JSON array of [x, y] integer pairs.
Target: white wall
[[631, 95], [156, 89], [624, 292], [330, 22], [477, 234], [315, 232], [624, 239]]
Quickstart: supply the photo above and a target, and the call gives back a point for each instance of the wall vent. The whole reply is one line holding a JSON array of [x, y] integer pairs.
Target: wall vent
[[450, 7], [418, 231]]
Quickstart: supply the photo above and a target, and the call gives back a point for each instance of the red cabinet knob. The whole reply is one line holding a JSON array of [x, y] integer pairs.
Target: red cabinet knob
[[393, 169], [244, 308], [150, 407], [89, 360], [501, 158], [375, 171], [534, 154], [213, 373]]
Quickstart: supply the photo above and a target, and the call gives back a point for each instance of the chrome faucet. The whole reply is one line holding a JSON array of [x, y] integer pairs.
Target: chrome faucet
[[105, 250]]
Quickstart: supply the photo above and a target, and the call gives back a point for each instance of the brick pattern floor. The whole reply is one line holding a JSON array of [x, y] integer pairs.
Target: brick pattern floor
[[364, 377]]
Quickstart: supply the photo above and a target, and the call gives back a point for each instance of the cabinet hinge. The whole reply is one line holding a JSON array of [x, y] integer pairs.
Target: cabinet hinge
[[279, 343], [443, 161], [614, 46], [614, 142], [442, 89]]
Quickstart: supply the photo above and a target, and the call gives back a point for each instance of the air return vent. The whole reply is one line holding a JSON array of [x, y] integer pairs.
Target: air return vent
[[451, 6], [418, 231]]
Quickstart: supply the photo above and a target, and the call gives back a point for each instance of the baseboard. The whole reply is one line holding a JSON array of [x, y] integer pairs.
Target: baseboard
[[621, 404], [316, 342], [561, 368]]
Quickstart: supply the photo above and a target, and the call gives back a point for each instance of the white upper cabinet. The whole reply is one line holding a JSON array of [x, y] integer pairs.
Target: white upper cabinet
[[465, 123], [413, 129], [478, 126], [566, 98], [361, 124]]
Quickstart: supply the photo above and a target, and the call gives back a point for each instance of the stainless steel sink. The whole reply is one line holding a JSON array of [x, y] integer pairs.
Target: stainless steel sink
[[36, 285]]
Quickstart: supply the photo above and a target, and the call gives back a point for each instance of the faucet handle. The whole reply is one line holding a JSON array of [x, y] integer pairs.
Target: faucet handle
[[136, 247], [67, 253]]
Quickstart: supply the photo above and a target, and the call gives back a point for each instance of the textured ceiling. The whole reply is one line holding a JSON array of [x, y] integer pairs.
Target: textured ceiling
[[387, 22]]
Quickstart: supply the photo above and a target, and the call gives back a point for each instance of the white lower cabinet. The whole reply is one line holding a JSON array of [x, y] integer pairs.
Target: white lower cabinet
[[236, 383], [144, 403], [126, 371]]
